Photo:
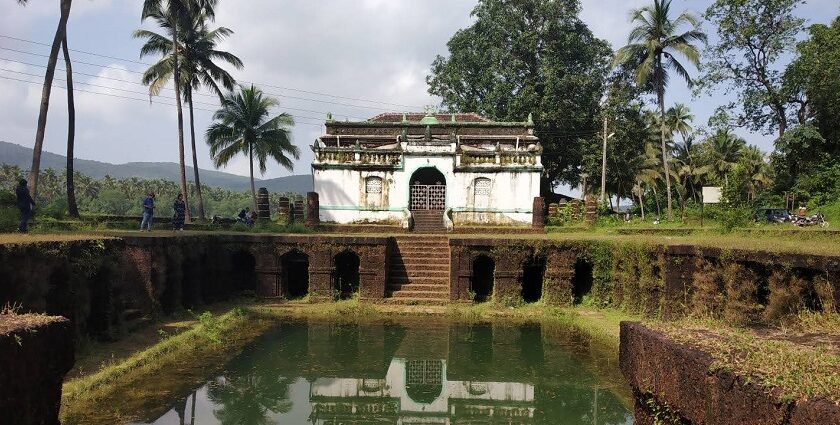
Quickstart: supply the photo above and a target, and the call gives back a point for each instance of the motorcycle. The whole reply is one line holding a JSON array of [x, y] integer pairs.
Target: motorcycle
[[815, 220]]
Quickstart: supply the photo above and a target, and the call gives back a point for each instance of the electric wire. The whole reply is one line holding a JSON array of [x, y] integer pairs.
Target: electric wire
[[247, 82]]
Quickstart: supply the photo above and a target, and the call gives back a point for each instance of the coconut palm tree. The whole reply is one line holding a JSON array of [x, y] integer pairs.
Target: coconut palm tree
[[59, 41], [197, 53], [177, 13], [650, 172], [243, 126], [652, 49], [678, 120], [722, 151], [688, 167], [757, 168], [72, 206]]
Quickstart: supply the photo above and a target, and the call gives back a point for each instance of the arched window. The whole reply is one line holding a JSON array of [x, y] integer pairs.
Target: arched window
[[481, 192], [373, 191]]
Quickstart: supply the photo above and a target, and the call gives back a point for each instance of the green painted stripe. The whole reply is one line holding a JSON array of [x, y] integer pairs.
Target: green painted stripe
[[492, 210], [358, 208]]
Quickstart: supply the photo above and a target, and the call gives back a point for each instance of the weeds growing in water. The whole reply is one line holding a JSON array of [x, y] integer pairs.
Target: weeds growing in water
[[11, 308]]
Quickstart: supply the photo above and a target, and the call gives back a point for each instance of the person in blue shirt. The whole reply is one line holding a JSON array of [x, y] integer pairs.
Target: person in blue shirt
[[180, 208], [148, 212], [24, 204]]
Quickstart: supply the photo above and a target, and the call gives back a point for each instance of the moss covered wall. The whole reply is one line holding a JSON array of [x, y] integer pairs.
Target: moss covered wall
[[36, 353], [667, 282]]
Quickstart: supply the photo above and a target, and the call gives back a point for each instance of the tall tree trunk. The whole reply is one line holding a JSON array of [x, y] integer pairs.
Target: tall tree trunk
[[656, 196], [176, 76], [642, 201], [35, 169], [251, 162], [72, 208], [661, 98], [195, 157]]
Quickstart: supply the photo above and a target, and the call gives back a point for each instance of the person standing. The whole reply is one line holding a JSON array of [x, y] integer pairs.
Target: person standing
[[24, 204], [148, 212], [180, 208]]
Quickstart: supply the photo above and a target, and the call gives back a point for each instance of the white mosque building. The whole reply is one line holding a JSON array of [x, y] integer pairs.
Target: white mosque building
[[447, 169]]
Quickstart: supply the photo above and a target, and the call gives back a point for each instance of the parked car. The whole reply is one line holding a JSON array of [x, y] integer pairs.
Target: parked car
[[773, 215]]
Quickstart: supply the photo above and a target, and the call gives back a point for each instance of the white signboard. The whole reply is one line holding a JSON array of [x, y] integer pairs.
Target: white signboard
[[711, 194]]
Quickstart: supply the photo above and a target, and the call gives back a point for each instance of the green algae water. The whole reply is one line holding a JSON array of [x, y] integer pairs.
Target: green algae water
[[420, 372]]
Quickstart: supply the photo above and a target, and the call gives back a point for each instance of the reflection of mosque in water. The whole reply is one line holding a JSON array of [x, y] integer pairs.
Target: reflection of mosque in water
[[418, 392], [411, 373], [425, 374]]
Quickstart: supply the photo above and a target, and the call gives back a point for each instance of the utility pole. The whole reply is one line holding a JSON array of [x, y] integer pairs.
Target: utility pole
[[604, 164]]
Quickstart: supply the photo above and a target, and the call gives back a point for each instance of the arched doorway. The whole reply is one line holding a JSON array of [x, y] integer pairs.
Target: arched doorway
[[295, 274], [533, 271], [428, 190], [482, 278], [346, 277]]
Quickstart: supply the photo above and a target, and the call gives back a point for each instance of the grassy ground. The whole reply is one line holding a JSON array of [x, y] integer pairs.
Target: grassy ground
[[804, 241], [801, 361], [95, 356], [148, 380]]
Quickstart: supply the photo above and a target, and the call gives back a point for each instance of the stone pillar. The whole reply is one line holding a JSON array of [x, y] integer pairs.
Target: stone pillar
[[591, 209], [297, 211], [284, 211], [263, 208], [321, 270], [313, 212], [679, 267], [557, 281], [268, 273], [372, 271], [507, 287], [538, 215], [460, 274]]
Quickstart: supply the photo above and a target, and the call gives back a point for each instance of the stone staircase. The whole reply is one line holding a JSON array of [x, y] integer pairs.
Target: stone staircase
[[428, 221], [419, 271]]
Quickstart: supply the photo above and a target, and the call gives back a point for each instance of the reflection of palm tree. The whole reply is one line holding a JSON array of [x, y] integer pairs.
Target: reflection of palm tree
[[247, 398]]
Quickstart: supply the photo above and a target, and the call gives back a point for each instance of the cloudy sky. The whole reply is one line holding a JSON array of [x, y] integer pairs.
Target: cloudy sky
[[352, 58]]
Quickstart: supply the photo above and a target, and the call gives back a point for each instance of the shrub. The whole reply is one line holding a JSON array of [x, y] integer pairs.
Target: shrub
[[785, 296], [708, 296], [741, 288]]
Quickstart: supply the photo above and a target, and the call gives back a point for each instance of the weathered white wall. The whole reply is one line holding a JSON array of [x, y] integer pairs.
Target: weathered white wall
[[343, 199]]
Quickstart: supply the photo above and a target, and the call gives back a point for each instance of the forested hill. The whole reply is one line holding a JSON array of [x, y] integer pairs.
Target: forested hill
[[21, 156]]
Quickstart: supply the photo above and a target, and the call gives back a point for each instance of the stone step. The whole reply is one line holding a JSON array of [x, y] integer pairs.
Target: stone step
[[434, 231], [440, 250], [418, 301], [400, 267], [421, 260], [421, 294], [409, 287], [442, 274], [401, 280]]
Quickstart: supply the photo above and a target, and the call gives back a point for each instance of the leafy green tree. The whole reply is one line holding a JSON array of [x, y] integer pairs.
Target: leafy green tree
[[243, 126], [654, 44], [529, 57], [816, 72], [628, 128], [197, 53], [752, 36]]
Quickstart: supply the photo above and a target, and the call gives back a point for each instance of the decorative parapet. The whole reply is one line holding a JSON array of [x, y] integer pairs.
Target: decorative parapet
[[504, 159], [356, 157]]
